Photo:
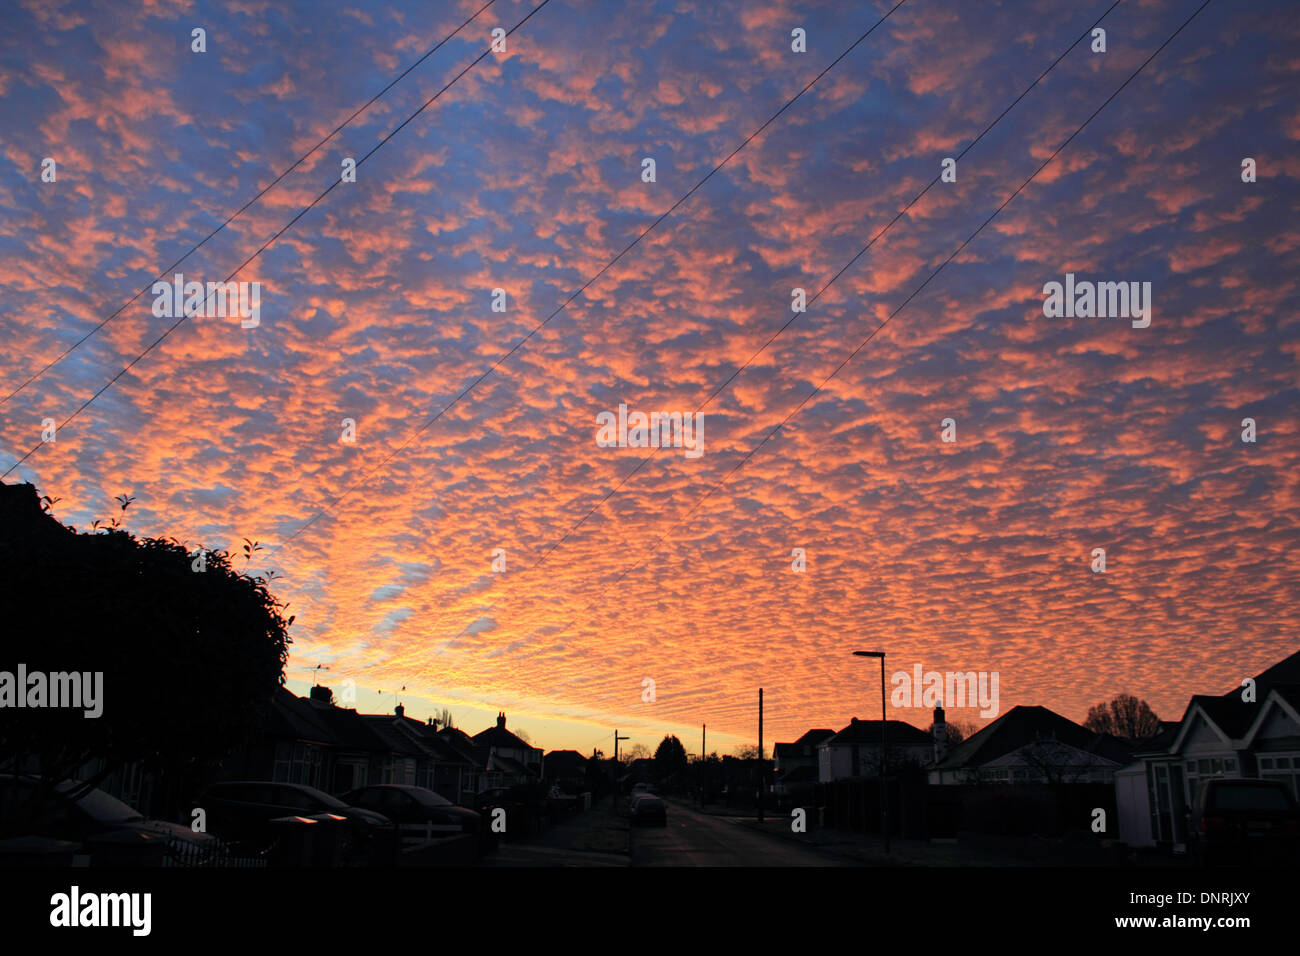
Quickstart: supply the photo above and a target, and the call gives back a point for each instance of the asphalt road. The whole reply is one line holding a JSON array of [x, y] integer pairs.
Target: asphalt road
[[697, 839]]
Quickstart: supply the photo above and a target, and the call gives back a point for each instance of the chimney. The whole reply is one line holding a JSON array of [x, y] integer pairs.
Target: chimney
[[399, 710], [322, 695], [940, 735], [501, 720]]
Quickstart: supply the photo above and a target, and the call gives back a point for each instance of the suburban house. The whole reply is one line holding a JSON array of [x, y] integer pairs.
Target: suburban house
[[1251, 731], [504, 758], [1031, 745], [797, 764], [855, 750], [438, 766], [565, 766], [357, 756], [313, 741], [335, 749]]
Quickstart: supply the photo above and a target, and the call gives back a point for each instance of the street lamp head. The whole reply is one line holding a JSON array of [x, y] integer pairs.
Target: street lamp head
[[880, 654]]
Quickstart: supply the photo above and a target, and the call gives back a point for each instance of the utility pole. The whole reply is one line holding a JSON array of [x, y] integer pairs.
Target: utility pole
[[617, 738], [884, 744], [760, 755], [704, 751], [884, 757]]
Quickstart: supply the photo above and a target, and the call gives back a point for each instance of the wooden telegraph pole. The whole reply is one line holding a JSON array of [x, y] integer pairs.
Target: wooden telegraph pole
[[617, 738], [760, 755]]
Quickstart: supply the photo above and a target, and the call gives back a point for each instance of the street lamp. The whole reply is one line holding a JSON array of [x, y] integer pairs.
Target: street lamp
[[884, 796]]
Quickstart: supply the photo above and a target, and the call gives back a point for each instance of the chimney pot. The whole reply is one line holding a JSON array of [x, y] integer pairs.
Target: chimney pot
[[940, 735]]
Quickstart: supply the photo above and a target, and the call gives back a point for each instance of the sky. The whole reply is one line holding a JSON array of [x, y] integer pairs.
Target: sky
[[527, 175]]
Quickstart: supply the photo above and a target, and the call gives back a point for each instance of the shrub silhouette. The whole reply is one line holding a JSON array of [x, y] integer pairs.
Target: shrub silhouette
[[189, 658]]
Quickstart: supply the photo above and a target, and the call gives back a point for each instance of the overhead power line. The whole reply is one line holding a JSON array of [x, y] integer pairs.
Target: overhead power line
[[238, 212], [265, 245], [655, 545], [642, 462]]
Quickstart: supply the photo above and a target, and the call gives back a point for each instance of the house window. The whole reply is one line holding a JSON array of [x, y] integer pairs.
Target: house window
[[1283, 768], [314, 757], [1199, 770], [297, 763], [283, 759]]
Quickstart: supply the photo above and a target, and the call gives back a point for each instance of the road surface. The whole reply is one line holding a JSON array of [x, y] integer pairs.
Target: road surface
[[698, 839]]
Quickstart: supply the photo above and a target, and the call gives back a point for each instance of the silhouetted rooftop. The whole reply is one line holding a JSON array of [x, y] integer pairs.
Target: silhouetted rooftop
[[1023, 725]]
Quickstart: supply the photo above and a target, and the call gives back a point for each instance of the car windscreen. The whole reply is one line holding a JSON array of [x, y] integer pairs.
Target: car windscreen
[[291, 797], [427, 798], [1258, 797]]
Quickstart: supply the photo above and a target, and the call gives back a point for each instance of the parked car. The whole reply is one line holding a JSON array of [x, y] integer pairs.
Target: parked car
[[241, 811], [648, 809], [1244, 821], [524, 805], [420, 814], [640, 792], [93, 816]]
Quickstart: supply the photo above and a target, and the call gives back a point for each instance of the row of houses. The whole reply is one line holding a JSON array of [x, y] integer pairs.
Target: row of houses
[[1251, 731], [313, 741], [1024, 745]]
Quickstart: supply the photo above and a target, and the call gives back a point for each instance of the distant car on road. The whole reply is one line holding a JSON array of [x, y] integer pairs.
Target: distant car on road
[[94, 815], [647, 809], [420, 814], [241, 811], [1244, 821]]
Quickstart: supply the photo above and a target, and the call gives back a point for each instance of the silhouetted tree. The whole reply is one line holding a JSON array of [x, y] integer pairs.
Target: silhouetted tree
[[957, 731], [191, 651], [598, 774], [1125, 716], [670, 757]]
